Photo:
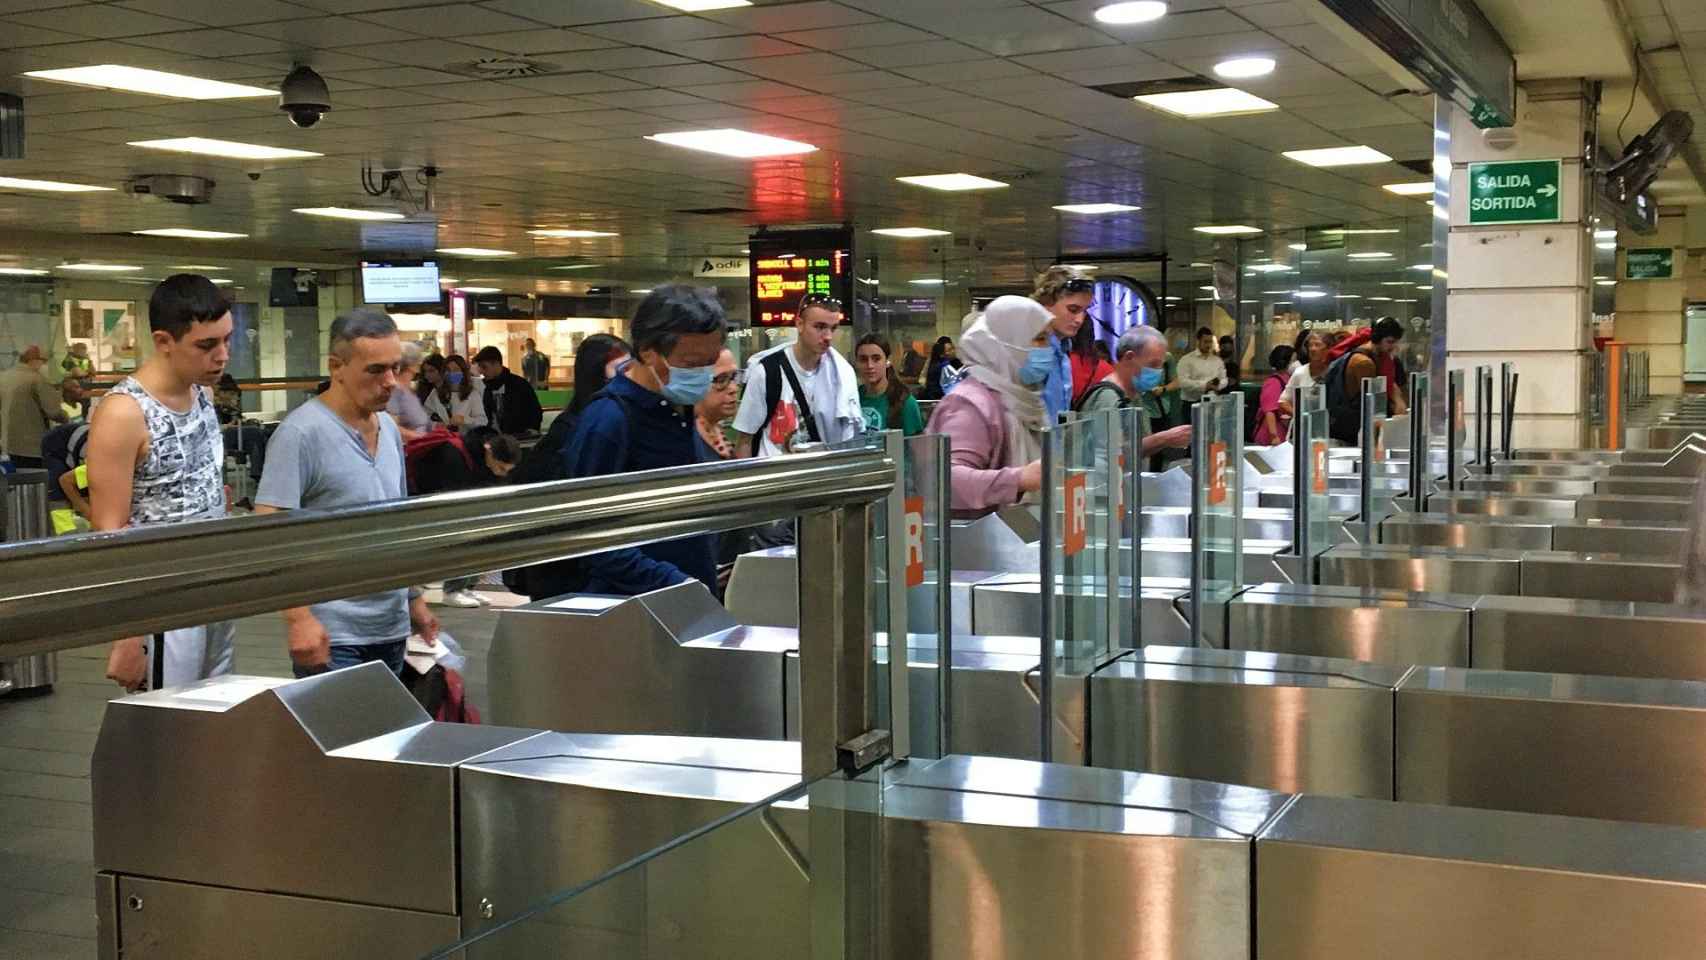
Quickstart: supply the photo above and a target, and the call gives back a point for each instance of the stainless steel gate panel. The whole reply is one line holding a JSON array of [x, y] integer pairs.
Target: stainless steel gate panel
[[376, 826], [1673, 487], [1364, 624], [1423, 569], [1485, 503], [586, 663], [764, 588], [1260, 523], [1338, 877], [1660, 509], [1004, 858], [1630, 537], [1464, 532], [1171, 557], [1612, 748], [1568, 456], [1599, 576], [1259, 719], [163, 920], [1604, 638], [997, 542], [1517, 486]]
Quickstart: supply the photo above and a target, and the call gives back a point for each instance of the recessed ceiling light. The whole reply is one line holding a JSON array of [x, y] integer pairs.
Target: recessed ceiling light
[[952, 181], [1299, 247], [230, 149], [1402, 300], [1421, 266], [699, 6], [1347, 296], [1371, 255], [22, 272], [350, 213], [1606, 246], [98, 267], [1424, 286], [570, 234], [112, 76], [443, 279], [1360, 232], [1338, 156], [1606, 283], [1379, 299], [1413, 189], [1093, 209], [1216, 102], [50, 186], [1309, 294], [1268, 268], [575, 266], [1227, 230], [1206, 289], [910, 233], [1597, 234], [1243, 67], [1134, 11], [220, 280], [927, 282], [475, 252], [1394, 283], [197, 266], [480, 289], [642, 290], [733, 143], [188, 234], [1276, 293], [1199, 263]]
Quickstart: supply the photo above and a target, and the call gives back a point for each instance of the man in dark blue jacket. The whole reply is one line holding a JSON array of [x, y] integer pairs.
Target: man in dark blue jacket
[[643, 420]]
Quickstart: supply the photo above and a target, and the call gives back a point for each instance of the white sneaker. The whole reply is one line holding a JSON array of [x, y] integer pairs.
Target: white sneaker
[[462, 598]]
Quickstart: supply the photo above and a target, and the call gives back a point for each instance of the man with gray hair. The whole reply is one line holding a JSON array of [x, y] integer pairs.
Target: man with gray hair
[[405, 406], [341, 449], [1139, 361]]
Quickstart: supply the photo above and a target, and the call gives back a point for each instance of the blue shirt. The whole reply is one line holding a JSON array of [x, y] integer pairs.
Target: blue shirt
[[316, 461], [1057, 389], [632, 428]]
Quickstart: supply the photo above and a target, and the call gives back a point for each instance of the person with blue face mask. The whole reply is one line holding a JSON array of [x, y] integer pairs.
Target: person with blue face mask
[[643, 419], [1140, 361]]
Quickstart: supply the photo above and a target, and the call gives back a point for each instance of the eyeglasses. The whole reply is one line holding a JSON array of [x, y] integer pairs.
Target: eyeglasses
[[736, 377], [820, 300]]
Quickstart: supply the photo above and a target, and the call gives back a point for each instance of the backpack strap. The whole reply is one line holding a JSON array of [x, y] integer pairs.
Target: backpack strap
[[1098, 387], [776, 366], [800, 401]]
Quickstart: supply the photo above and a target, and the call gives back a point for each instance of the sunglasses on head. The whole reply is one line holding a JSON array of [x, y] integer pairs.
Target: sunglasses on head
[[1078, 285], [820, 300]]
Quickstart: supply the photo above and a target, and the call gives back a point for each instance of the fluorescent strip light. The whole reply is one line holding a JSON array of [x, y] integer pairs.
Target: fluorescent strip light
[[1605, 246], [1206, 289], [1133, 11], [1401, 300], [197, 266], [699, 6], [1269, 268], [570, 234], [1414, 189], [452, 280], [21, 272], [1299, 247], [1241, 68], [188, 234], [576, 266], [1229, 230], [480, 289], [1597, 234], [1337, 156], [220, 280], [1421, 266], [926, 282], [1094, 209], [1309, 294], [642, 290], [475, 252], [1347, 296], [1602, 283], [1424, 286], [98, 267], [733, 143], [229, 149], [112, 76], [1369, 256], [1216, 102], [350, 213], [952, 182], [1394, 283], [910, 233], [49, 186], [1379, 299], [1360, 232]]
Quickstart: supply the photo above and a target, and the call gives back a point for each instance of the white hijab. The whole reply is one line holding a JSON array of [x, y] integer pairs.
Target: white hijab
[[994, 348]]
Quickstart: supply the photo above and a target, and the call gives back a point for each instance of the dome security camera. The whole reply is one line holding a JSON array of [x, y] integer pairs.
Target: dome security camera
[[303, 96]]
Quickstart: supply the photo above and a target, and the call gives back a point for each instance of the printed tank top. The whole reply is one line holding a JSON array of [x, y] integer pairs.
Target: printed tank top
[[183, 476]]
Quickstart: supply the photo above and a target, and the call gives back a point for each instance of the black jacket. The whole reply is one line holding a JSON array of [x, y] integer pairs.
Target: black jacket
[[519, 412]]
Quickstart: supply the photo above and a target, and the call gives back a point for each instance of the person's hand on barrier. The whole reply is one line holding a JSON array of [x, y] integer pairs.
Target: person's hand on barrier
[[1031, 477], [423, 620], [1177, 438], [127, 663], [310, 645]]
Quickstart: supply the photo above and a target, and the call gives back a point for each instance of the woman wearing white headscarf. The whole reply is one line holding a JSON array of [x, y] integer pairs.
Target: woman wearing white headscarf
[[993, 419]]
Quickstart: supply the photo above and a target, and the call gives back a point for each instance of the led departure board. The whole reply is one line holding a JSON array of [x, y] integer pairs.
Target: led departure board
[[789, 266]]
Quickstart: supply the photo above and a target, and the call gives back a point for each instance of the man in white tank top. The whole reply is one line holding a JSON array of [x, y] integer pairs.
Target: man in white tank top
[[155, 456]]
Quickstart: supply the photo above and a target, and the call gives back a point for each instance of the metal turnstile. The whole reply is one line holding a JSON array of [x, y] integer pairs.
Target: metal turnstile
[[24, 516]]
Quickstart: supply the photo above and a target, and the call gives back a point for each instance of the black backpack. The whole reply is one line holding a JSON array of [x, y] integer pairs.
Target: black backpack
[[545, 461], [776, 366]]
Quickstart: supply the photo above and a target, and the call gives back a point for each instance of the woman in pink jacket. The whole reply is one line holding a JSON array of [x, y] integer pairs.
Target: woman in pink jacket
[[993, 419]]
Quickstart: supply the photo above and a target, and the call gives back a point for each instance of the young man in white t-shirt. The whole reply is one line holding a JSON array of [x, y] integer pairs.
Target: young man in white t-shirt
[[827, 381]]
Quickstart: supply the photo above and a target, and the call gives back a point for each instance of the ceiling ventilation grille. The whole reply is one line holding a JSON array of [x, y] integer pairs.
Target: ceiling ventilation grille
[[503, 68]]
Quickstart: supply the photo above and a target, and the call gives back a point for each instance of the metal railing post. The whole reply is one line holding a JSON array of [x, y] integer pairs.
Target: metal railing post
[[941, 481], [1201, 418], [1046, 574], [1453, 415], [900, 634], [837, 699], [1302, 464], [1369, 447]]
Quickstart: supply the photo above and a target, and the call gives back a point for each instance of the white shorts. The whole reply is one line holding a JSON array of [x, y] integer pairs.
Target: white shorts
[[177, 657]]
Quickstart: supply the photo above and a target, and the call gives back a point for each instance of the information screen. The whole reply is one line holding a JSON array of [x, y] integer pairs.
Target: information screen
[[399, 282], [786, 268]]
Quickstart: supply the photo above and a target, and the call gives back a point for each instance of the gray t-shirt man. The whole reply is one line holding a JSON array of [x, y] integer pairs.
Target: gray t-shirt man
[[315, 460]]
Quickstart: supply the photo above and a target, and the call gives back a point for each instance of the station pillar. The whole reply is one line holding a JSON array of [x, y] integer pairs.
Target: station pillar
[[1518, 270]]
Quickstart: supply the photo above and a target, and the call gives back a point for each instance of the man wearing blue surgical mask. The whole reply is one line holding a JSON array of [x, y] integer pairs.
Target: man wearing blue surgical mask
[[1140, 361], [643, 419]]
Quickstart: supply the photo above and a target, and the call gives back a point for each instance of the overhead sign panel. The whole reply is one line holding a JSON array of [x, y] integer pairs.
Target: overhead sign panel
[[787, 266], [1515, 191], [1649, 263], [1450, 44]]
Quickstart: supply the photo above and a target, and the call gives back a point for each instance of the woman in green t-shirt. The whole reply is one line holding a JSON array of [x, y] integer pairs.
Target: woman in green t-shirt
[[882, 396]]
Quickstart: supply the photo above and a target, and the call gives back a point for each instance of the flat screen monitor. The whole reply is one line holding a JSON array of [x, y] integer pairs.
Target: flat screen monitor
[[399, 281]]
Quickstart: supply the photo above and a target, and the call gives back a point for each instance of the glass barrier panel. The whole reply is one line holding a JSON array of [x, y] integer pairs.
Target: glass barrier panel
[[925, 532], [1217, 546], [1126, 531], [1315, 508], [1456, 429], [1077, 534]]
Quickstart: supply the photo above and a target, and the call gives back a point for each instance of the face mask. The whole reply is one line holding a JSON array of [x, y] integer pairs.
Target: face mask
[[688, 385], [454, 378], [1148, 379], [1039, 363]]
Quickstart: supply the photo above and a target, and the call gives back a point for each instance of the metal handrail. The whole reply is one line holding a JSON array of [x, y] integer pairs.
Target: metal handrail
[[70, 592]]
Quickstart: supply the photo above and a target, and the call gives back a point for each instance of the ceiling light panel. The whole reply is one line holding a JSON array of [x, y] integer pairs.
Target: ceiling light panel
[[1133, 11], [224, 148], [742, 144], [98, 267], [1228, 230], [953, 182], [112, 76], [570, 234], [47, 186], [1217, 102], [910, 233], [21, 272], [476, 252], [1096, 209], [350, 213], [1414, 189], [1338, 156], [700, 6], [185, 233], [1242, 68]]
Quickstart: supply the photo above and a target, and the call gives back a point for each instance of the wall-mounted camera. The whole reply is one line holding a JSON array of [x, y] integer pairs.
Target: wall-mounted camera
[[303, 96]]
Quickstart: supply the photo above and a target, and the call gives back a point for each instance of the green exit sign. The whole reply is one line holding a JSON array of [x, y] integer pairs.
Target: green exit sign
[[1515, 191], [1649, 263]]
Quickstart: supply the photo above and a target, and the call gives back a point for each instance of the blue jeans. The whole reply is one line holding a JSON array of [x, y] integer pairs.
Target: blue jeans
[[354, 655]]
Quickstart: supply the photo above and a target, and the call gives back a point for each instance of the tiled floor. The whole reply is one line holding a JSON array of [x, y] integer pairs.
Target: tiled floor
[[47, 906]]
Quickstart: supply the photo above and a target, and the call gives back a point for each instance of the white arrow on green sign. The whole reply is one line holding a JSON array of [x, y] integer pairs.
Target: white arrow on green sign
[[1514, 191]]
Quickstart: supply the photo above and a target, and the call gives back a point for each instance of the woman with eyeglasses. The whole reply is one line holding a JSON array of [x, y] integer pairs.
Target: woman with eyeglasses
[[720, 403], [885, 401], [994, 418], [1066, 294]]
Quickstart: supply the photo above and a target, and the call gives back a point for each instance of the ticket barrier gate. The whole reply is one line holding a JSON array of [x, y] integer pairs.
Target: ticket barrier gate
[[1629, 537], [974, 856], [1516, 573]]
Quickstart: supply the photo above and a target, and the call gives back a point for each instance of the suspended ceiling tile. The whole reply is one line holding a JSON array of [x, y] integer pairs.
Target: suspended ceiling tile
[[448, 20], [1068, 61], [782, 18], [916, 54], [645, 99], [377, 97], [331, 63], [326, 32], [26, 6], [210, 43], [971, 70], [419, 52], [569, 13], [1019, 30], [222, 13], [847, 82], [858, 35], [663, 31], [620, 58], [540, 41], [684, 75], [14, 34], [1270, 15], [748, 91], [1125, 73], [474, 91], [745, 46], [576, 83], [102, 22], [400, 76]]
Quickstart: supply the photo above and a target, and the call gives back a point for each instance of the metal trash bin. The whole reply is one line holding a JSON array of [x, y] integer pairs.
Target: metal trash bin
[[23, 516]]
